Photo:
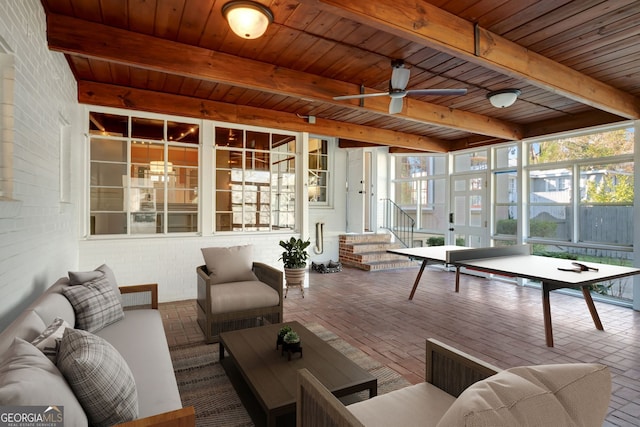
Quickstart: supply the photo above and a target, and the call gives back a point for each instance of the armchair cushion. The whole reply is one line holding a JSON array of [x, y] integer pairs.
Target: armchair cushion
[[239, 296], [544, 395], [229, 264]]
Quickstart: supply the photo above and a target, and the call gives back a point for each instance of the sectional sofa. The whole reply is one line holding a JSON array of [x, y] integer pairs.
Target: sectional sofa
[[78, 350]]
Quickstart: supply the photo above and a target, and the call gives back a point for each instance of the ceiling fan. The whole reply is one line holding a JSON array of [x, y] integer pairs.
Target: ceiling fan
[[397, 88]]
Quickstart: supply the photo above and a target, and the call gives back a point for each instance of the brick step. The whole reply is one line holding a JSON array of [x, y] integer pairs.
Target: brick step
[[359, 248], [382, 265], [366, 257], [369, 252], [364, 238]]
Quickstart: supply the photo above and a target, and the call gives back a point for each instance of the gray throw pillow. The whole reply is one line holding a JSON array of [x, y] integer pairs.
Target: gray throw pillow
[[28, 378], [99, 377], [95, 304], [48, 342], [81, 277]]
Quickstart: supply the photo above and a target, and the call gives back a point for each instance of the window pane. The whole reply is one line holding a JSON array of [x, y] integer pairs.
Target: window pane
[[108, 150], [506, 157], [108, 223], [147, 128], [186, 133], [465, 162], [591, 146], [107, 199], [227, 137], [108, 124], [107, 174], [257, 140]]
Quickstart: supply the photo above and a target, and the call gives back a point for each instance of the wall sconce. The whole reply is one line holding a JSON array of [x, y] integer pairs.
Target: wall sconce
[[503, 98], [247, 19]]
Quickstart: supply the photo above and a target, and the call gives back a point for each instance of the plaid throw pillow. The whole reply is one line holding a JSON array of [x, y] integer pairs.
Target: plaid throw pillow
[[95, 304], [99, 377]]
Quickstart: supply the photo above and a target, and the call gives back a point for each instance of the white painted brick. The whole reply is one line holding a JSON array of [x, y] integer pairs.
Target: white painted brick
[[40, 244]]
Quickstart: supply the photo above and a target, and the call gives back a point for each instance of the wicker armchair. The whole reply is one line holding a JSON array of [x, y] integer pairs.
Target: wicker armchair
[[213, 321]]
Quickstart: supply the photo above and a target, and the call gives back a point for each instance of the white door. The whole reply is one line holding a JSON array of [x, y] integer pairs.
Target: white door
[[469, 206], [356, 192]]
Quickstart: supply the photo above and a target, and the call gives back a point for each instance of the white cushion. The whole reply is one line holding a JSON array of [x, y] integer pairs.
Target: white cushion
[[233, 264], [421, 404], [27, 377], [544, 395], [99, 377], [237, 296]]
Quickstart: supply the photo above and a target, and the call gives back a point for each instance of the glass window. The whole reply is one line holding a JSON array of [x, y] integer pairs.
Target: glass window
[[505, 188], [419, 190], [255, 180], [143, 184], [473, 161], [550, 197], [318, 170]]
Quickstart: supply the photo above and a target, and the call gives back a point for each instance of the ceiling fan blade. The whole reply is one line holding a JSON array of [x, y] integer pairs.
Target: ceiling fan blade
[[395, 105], [437, 92], [399, 78], [361, 95]]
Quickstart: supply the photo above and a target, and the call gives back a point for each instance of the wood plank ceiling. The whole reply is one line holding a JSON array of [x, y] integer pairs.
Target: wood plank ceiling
[[577, 63]]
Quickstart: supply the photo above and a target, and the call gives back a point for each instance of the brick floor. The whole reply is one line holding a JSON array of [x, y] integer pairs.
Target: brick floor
[[496, 321]]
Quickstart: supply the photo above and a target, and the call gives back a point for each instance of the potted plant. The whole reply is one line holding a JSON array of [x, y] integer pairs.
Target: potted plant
[[291, 341], [295, 258], [281, 333]]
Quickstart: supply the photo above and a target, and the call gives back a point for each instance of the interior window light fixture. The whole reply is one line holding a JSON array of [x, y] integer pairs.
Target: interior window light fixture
[[247, 19], [503, 98]]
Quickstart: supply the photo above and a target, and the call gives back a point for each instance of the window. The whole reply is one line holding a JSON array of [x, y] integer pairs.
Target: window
[[144, 175], [420, 183], [318, 170], [583, 192], [255, 180], [505, 182]]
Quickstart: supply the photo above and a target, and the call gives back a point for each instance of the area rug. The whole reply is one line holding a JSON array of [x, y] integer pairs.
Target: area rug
[[204, 384]]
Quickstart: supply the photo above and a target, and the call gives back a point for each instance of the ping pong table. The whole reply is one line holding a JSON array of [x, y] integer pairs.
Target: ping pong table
[[517, 261]]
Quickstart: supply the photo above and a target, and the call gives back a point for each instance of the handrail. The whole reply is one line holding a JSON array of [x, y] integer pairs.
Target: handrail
[[400, 223]]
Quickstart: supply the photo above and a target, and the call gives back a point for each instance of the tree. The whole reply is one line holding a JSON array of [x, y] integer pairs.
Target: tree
[[591, 146]]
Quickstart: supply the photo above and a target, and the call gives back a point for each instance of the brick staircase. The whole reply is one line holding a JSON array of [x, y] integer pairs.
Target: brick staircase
[[369, 252]]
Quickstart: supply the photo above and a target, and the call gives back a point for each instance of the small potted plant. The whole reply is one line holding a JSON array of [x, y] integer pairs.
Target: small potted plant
[[292, 341], [295, 258], [281, 333]]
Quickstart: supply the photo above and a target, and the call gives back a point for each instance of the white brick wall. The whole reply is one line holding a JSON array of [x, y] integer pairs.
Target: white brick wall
[[38, 235]]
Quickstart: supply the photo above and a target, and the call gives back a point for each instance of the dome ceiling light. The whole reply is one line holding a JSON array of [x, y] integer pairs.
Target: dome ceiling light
[[247, 19], [503, 98]]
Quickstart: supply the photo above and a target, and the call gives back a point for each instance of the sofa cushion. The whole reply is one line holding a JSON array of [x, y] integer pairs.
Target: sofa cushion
[[238, 296], [80, 277], [99, 377], [564, 394], [420, 404], [141, 341], [95, 304], [48, 342], [27, 377], [232, 264]]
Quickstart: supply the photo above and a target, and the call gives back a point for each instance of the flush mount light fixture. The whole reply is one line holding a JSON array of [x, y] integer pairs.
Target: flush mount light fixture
[[247, 19], [503, 98]]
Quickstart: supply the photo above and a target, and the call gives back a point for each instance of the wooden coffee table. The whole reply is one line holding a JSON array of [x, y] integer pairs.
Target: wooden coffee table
[[272, 377]]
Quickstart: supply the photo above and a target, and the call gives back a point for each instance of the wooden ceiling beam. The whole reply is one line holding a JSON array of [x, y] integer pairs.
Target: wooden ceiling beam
[[89, 39], [427, 24], [144, 100]]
